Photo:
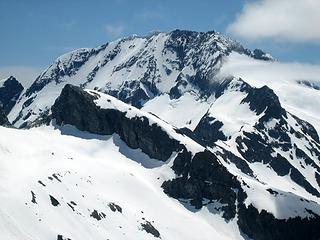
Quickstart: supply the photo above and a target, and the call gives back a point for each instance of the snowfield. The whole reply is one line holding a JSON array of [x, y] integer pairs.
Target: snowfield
[[84, 173]]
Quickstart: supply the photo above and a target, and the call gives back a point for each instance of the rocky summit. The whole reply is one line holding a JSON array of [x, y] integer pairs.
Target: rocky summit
[[152, 138]]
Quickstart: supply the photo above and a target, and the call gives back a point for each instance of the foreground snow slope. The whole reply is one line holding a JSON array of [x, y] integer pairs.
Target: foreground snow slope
[[84, 173]]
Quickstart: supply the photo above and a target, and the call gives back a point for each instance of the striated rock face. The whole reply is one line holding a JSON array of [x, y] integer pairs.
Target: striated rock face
[[10, 90], [77, 107], [136, 70], [65, 65]]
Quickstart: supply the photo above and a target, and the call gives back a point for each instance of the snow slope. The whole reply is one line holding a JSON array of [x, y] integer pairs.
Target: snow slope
[[86, 172]]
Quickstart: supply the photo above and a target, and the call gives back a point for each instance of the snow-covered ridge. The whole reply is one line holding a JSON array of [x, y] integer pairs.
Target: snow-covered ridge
[[108, 102]]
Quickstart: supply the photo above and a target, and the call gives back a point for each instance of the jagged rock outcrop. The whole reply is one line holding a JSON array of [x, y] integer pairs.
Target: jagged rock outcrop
[[10, 90], [208, 131], [76, 107], [264, 100], [203, 177]]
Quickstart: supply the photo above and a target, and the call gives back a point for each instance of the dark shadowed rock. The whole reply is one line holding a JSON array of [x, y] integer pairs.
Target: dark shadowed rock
[[54, 201], [61, 68], [33, 197], [264, 226], [264, 99], [260, 100], [203, 177], [307, 129], [76, 107], [240, 163], [61, 237], [132, 92], [114, 207], [3, 118], [261, 55], [9, 93], [208, 131], [149, 228], [99, 216]]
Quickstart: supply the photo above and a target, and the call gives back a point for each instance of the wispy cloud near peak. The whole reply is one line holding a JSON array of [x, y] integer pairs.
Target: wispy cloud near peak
[[285, 20], [114, 30]]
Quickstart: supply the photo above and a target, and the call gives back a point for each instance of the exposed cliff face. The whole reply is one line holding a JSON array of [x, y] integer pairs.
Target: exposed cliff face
[[204, 180], [76, 107]]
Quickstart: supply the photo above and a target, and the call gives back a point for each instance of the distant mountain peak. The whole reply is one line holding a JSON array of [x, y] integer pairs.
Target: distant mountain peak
[[10, 91]]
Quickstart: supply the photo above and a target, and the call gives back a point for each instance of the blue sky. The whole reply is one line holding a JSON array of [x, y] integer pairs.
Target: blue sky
[[35, 32]]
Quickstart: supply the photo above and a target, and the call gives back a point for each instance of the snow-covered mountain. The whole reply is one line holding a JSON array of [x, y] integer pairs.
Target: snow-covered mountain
[[145, 136], [135, 70]]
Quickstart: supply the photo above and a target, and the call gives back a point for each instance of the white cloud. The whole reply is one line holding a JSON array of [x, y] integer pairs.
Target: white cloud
[[114, 30], [286, 20], [24, 74]]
